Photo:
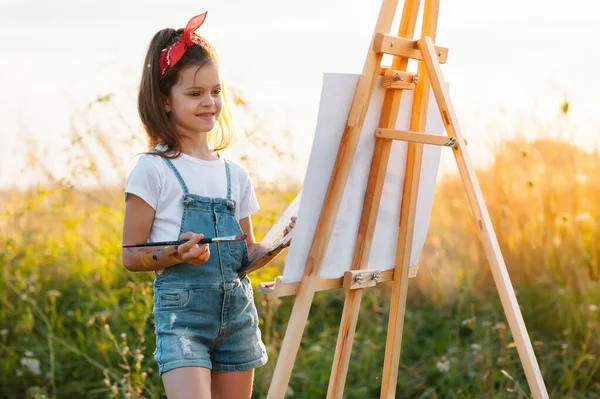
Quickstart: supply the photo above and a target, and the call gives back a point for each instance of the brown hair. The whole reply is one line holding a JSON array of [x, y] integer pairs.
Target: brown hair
[[153, 89]]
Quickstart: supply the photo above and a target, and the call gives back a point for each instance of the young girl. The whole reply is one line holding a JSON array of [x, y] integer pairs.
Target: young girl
[[207, 337]]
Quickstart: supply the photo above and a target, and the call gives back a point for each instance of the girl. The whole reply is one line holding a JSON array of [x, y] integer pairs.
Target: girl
[[207, 337]]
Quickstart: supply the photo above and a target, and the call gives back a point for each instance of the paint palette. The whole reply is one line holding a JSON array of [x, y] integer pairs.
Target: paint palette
[[150, 254]]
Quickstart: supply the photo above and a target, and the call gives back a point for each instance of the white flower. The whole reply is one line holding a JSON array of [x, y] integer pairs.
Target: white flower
[[32, 364], [583, 216], [443, 365], [556, 241], [581, 178], [53, 293], [476, 347], [29, 353], [593, 308]]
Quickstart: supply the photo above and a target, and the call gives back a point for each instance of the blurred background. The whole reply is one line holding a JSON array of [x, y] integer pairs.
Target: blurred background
[[75, 323]]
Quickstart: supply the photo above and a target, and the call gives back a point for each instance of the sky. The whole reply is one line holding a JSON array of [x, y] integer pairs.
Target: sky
[[511, 64]]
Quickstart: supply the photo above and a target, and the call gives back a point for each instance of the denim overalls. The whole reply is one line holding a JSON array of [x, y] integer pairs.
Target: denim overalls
[[205, 315]]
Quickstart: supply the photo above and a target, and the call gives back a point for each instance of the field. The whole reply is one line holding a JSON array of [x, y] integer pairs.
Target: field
[[74, 323]]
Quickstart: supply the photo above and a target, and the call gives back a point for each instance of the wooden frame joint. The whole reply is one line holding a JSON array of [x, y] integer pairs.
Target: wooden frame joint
[[404, 47], [393, 79], [355, 279]]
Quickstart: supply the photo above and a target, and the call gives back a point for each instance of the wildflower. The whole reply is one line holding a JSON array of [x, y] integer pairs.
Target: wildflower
[[4, 332], [102, 315], [123, 336], [53, 293], [476, 347], [32, 364], [443, 365], [29, 353], [470, 320], [581, 178], [499, 326], [593, 308], [583, 216], [506, 374]]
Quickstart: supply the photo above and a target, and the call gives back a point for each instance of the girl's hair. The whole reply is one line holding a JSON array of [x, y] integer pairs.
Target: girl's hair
[[153, 89]]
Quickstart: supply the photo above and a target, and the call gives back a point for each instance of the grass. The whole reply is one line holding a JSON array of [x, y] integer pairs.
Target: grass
[[75, 323]]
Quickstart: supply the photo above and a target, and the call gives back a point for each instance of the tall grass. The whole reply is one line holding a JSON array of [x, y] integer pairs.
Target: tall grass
[[75, 323]]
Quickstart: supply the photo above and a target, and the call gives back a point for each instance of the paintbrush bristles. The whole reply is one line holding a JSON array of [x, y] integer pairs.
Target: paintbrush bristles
[[239, 237]]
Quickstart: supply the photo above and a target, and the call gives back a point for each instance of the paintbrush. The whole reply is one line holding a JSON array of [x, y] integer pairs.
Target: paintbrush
[[239, 237]]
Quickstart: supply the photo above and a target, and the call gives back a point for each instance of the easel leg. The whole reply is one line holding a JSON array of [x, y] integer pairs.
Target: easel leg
[[484, 225], [292, 338], [343, 349], [407, 217], [345, 340], [399, 294]]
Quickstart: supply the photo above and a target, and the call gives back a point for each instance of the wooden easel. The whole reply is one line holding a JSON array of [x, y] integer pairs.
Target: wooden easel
[[395, 80]]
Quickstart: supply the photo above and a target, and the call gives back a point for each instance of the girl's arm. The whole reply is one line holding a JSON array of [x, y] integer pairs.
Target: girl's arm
[[246, 225], [136, 229]]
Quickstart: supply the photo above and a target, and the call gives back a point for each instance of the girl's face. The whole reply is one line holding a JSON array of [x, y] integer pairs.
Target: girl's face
[[195, 101]]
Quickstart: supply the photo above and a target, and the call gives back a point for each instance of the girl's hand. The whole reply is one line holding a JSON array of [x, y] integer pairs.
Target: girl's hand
[[191, 252], [288, 229]]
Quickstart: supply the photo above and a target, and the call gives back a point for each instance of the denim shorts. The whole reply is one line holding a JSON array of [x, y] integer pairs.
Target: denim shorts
[[214, 326]]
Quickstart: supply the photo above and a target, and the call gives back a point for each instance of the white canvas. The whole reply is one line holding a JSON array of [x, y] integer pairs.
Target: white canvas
[[336, 98]]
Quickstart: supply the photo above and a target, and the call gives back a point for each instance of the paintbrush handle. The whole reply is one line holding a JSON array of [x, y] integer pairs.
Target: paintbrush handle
[[206, 240]]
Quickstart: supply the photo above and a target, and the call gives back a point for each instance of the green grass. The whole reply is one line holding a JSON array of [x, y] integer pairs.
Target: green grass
[[75, 323]]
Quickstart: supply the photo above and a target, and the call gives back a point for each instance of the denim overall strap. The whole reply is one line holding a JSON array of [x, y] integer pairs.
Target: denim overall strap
[[183, 186], [228, 180]]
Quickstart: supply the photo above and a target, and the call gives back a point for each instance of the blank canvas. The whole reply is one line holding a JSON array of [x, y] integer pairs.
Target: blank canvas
[[335, 102]]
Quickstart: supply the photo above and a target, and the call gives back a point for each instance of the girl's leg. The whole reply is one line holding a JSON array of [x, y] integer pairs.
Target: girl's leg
[[232, 384], [187, 383]]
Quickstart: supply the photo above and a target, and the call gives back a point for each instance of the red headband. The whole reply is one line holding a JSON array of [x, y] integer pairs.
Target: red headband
[[171, 55]]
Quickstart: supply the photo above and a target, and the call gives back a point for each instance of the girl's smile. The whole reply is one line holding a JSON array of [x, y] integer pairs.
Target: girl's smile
[[195, 101]]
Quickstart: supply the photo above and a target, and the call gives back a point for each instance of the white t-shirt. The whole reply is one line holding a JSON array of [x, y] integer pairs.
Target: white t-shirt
[[155, 182]]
